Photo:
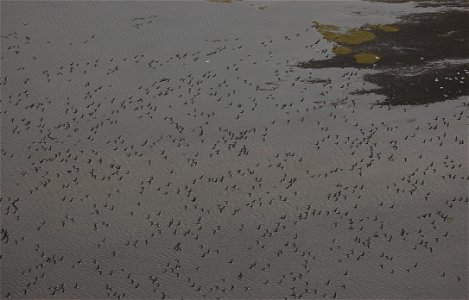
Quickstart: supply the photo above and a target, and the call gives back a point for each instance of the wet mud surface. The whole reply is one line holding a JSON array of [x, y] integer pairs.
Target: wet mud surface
[[424, 61], [430, 3], [436, 84]]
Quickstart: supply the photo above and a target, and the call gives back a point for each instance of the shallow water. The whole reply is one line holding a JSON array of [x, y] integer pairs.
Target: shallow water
[[174, 150]]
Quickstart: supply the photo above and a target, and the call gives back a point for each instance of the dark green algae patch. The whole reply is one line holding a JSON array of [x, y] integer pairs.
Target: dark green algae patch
[[427, 47]]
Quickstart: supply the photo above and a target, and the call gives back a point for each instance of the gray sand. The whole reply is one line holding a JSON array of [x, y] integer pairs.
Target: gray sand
[[173, 150]]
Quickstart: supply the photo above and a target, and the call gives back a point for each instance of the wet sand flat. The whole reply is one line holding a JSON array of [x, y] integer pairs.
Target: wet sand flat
[[224, 149]]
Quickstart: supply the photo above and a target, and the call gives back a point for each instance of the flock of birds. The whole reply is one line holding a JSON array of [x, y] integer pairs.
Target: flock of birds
[[219, 173]]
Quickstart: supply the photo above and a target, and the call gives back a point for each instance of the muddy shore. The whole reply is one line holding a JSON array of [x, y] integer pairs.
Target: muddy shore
[[424, 61]]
